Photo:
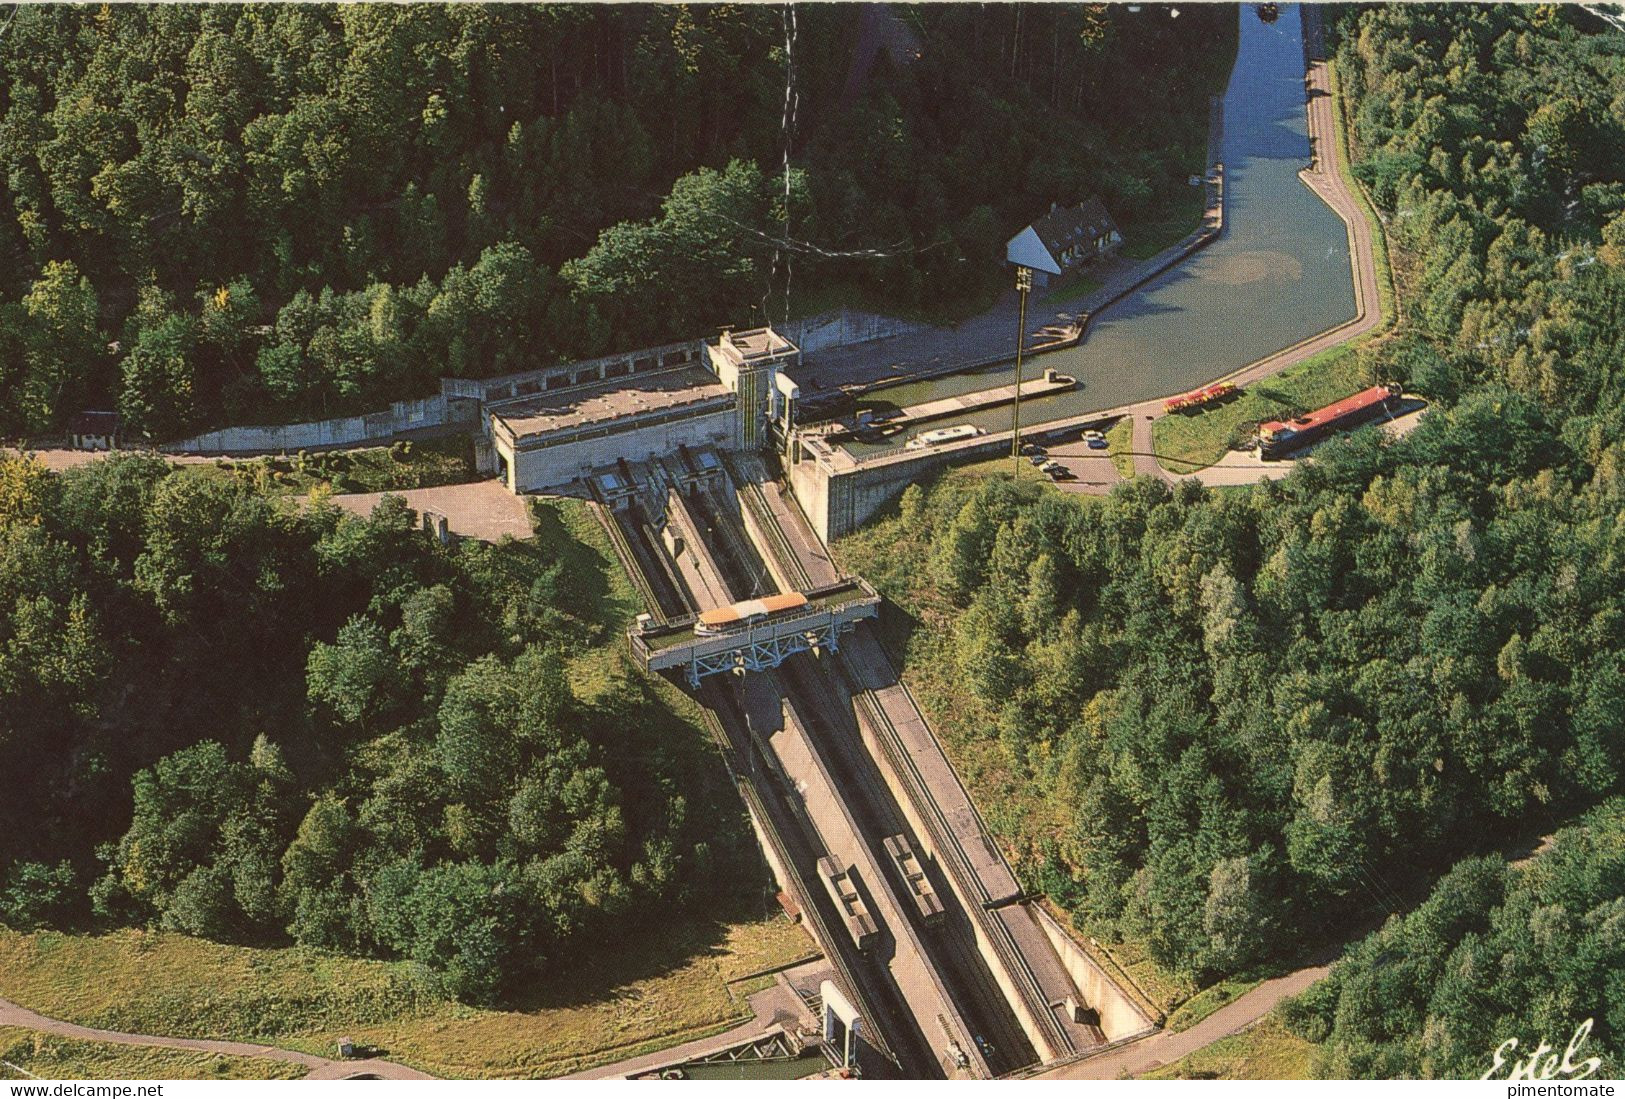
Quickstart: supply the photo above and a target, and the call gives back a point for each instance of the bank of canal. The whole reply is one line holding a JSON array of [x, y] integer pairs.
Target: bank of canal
[[1279, 274]]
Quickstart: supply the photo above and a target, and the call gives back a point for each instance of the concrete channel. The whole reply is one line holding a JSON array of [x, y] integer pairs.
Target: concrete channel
[[905, 1012], [836, 758], [779, 716], [871, 807], [1038, 974]]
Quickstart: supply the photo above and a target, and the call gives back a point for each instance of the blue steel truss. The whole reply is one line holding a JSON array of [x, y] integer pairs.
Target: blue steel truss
[[759, 654]]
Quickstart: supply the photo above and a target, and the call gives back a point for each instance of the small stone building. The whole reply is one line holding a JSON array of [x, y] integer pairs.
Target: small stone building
[[93, 431]]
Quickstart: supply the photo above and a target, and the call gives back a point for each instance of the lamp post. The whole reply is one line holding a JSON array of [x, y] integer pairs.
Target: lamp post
[[1024, 284]]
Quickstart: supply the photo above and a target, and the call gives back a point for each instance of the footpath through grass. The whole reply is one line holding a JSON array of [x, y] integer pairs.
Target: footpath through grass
[[645, 994], [1209, 1000], [1267, 1051], [27, 1054], [1196, 438]]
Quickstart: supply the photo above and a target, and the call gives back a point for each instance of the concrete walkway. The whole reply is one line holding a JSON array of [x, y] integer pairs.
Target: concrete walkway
[[776, 1006], [321, 1068], [1166, 1047]]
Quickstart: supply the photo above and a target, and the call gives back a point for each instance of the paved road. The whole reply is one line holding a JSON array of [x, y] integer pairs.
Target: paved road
[[1166, 1047], [321, 1068]]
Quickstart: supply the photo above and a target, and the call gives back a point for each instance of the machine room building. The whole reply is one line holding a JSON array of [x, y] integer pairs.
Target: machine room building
[[552, 427]]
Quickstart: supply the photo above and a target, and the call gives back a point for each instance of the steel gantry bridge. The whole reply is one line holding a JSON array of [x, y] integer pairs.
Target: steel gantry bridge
[[831, 611]]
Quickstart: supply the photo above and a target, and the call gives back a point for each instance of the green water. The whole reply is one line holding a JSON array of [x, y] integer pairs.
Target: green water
[[809, 1062], [1278, 275]]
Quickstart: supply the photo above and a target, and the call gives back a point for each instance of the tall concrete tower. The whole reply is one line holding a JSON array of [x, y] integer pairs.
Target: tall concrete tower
[[749, 363]]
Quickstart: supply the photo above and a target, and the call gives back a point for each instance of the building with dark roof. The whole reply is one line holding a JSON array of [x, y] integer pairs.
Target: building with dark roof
[[93, 431], [1065, 239]]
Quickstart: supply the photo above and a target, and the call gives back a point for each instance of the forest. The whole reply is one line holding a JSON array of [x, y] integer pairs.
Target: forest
[[259, 722], [228, 213], [1224, 725], [1496, 953]]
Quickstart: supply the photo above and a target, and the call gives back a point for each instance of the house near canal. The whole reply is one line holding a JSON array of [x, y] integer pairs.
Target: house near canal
[[1065, 239]]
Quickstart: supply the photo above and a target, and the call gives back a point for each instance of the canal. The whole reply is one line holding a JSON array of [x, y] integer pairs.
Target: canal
[[1279, 274]]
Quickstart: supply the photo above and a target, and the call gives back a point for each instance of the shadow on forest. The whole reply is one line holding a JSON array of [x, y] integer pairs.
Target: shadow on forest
[[610, 967]]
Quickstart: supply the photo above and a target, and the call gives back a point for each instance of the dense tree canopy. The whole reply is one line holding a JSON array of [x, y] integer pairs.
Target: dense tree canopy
[[245, 212], [290, 723], [1496, 955]]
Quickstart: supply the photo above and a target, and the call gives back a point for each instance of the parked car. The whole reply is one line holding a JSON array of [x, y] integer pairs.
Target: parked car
[[1061, 473], [1097, 443], [1091, 435], [1031, 448], [1038, 460]]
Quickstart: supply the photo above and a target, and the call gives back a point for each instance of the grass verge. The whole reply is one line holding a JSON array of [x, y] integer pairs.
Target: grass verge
[[1120, 446], [1267, 1051], [1209, 1000], [26, 1054], [1195, 439], [1386, 296], [1181, 218], [1069, 289], [1002, 466], [642, 995]]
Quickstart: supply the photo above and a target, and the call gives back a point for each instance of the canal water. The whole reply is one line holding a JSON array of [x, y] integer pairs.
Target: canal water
[[1279, 274], [795, 1068]]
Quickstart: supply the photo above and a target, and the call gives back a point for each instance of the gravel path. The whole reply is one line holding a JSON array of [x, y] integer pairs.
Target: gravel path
[[321, 1068]]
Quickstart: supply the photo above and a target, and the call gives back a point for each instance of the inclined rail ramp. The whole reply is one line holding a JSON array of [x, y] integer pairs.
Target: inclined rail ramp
[[954, 951], [741, 757], [821, 805], [768, 824], [1042, 982]]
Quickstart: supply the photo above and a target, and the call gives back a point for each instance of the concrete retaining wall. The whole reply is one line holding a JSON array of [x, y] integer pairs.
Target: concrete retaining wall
[[840, 502], [1120, 1017], [374, 427], [927, 849], [843, 328], [581, 372]]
